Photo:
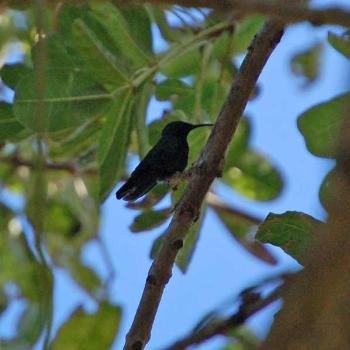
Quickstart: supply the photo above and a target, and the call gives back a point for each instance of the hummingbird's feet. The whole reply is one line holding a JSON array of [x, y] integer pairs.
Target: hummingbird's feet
[[175, 180]]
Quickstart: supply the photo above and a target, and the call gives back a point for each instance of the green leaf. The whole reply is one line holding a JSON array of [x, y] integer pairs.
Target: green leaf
[[31, 324], [182, 65], [60, 219], [12, 73], [173, 88], [196, 141], [159, 17], [140, 111], [98, 59], [157, 244], [89, 331], [245, 32], [123, 33], [185, 254], [139, 25], [9, 126], [239, 143], [240, 225], [37, 197], [254, 177], [149, 219], [321, 124], [237, 225], [114, 140], [292, 231], [71, 98], [327, 189], [307, 64], [152, 198], [58, 56], [76, 144], [84, 276], [341, 43]]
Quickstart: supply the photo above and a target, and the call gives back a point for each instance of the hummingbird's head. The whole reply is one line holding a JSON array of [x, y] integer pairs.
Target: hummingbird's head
[[180, 129]]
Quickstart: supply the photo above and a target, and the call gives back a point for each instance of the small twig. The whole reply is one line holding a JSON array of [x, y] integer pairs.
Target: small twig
[[251, 304]]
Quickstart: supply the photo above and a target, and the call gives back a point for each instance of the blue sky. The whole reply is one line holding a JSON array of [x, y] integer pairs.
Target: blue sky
[[220, 269]]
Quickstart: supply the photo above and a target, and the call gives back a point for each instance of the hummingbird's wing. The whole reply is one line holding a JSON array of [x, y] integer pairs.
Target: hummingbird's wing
[[147, 173]]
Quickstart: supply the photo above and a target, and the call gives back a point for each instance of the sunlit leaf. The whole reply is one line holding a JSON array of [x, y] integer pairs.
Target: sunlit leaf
[[254, 177], [292, 231], [89, 331], [321, 124], [182, 65]]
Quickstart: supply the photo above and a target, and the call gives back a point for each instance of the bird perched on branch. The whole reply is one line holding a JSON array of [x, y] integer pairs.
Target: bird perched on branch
[[167, 157]]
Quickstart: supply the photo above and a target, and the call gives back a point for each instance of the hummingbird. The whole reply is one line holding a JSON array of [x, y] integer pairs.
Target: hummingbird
[[167, 157]]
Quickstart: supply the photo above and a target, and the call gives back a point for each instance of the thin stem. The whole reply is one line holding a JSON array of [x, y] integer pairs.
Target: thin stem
[[207, 50], [195, 41]]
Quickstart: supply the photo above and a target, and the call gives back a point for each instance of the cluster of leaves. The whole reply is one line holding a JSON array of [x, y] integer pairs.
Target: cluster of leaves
[[81, 97]]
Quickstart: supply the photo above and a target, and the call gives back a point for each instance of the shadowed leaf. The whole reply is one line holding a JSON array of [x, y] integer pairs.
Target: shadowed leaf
[[113, 143], [149, 219], [341, 43], [292, 231], [306, 64], [320, 125]]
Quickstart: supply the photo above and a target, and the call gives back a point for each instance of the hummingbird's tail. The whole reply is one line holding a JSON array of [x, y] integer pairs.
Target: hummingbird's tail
[[135, 188]]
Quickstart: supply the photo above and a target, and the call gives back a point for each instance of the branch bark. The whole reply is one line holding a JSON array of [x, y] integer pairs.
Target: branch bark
[[287, 13], [207, 168], [246, 310]]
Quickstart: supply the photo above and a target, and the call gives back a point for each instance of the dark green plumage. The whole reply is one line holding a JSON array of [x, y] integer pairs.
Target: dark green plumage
[[168, 156]]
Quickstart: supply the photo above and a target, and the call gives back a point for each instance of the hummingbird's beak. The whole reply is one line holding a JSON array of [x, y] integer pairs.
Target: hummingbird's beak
[[200, 125]]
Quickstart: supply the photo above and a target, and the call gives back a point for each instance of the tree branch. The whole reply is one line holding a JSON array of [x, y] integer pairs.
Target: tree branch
[[206, 171], [16, 161], [287, 13], [249, 306]]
